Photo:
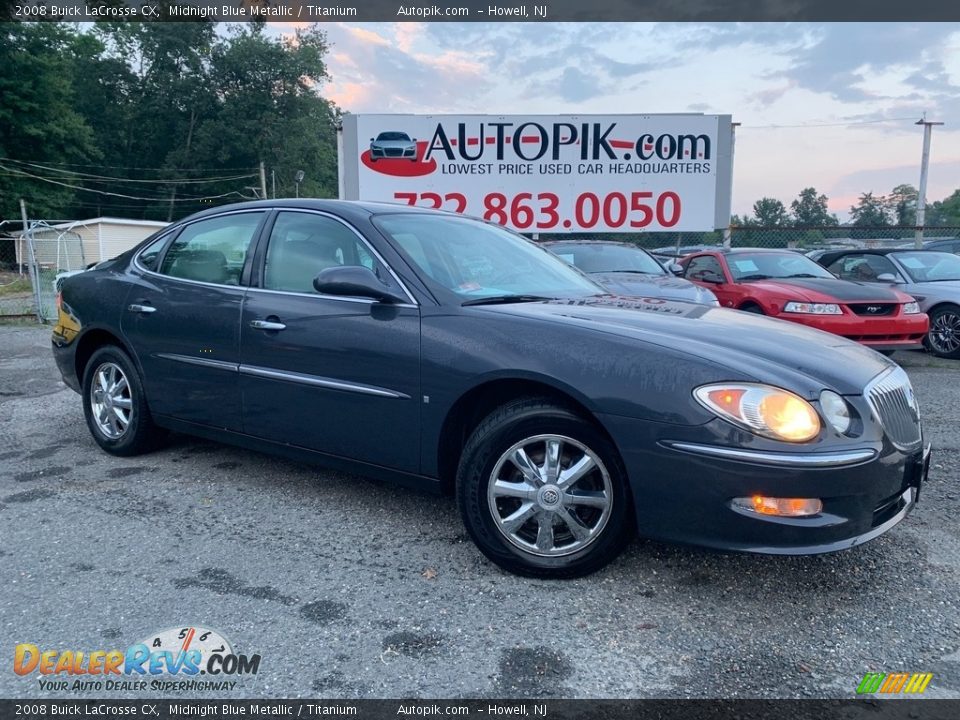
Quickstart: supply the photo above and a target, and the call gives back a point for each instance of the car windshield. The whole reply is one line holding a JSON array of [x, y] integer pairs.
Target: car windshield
[[779, 265], [929, 266], [476, 260], [608, 258], [393, 136]]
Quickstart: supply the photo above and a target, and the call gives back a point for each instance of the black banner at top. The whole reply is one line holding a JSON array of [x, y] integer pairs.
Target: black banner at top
[[487, 11]]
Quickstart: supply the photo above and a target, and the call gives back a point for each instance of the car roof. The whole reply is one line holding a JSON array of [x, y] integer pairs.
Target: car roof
[[347, 209], [597, 243]]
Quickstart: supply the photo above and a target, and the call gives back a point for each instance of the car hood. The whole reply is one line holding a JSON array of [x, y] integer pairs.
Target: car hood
[[769, 350], [942, 288], [668, 287], [829, 290]]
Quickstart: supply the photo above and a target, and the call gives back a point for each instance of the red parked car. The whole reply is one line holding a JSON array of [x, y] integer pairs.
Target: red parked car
[[787, 285]]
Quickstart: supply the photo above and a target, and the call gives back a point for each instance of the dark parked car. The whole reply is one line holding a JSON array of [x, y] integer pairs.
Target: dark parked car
[[931, 277], [443, 352], [625, 269]]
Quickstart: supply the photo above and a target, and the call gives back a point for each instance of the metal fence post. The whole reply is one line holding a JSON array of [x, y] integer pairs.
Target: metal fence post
[[32, 261]]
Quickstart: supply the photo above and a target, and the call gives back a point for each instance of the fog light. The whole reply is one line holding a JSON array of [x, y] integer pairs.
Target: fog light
[[782, 507]]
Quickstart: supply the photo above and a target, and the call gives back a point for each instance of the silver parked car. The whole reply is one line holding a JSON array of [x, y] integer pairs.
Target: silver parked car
[[393, 144], [932, 277]]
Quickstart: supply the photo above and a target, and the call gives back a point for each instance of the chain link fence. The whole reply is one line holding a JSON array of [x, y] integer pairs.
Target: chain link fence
[[30, 263], [799, 238]]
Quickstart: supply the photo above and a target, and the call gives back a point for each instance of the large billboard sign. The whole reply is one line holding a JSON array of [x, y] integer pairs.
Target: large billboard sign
[[547, 173]]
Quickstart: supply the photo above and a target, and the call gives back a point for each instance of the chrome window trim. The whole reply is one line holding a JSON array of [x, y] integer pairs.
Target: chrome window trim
[[318, 381], [322, 296], [837, 458], [363, 240], [180, 228]]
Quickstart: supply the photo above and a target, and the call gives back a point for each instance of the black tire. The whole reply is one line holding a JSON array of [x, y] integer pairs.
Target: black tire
[[945, 315], [752, 308], [139, 435], [516, 422], [888, 353]]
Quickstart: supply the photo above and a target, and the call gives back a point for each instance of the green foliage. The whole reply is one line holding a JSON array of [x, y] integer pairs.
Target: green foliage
[[160, 101], [810, 210], [770, 212]]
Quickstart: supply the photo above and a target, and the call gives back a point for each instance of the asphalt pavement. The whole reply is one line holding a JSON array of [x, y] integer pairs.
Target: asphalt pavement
[[350, 588]]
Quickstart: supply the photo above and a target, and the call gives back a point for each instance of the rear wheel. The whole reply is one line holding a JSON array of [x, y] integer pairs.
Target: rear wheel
[[943, 339], [542, 491], [115, 406]]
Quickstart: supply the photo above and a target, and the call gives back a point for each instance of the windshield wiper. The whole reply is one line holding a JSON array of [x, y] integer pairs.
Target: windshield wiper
[[804, 275], [632, 272], [755, 276], [503, 299]]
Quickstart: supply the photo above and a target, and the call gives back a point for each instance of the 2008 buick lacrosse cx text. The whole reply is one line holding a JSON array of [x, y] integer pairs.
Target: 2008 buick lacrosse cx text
[[448, 353]]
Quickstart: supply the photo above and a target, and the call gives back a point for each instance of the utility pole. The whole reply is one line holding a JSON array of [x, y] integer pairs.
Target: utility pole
[[727, 231], [922, 191], [273, 181], [263, 181]]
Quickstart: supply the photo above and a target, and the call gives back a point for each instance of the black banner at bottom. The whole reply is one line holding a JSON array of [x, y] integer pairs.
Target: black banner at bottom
[[867, 709]]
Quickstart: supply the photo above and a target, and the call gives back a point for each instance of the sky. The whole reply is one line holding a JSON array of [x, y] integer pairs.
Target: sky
[[831, 106]]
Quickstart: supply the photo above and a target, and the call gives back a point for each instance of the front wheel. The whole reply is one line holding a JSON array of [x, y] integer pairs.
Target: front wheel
[[114, 404], [543, 492], [944, 336]]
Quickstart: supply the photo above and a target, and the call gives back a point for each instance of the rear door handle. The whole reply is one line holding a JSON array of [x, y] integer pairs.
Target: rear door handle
[[141, 308], [267, 325]]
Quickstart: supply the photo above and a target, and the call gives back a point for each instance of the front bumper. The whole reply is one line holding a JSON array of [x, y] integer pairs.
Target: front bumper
[[893, 332], [684, 488]]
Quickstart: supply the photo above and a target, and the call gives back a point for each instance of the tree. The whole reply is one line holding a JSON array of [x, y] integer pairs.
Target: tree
[[770, 212], [810, 210], [39, 125], [902, 204], [870, 211], [946, 212]]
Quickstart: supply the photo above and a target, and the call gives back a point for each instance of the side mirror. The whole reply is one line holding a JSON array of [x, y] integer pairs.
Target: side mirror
[[712, 278], [886, 277], [372, 139], [675, 268], [355, 281], [413, 140]]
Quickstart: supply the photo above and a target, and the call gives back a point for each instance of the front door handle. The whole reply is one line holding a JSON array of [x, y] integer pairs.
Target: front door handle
[[267, 325], [137, 308]]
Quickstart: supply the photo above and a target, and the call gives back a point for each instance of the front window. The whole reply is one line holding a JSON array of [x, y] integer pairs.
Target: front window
[[388, 136], [608, 258], [303, 244], [927, 266], [476, 260], [863, 268], [765, 266]]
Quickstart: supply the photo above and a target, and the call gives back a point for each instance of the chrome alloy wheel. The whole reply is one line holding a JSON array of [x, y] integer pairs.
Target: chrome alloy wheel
[[945, 334], [550, 495], [110, 400]]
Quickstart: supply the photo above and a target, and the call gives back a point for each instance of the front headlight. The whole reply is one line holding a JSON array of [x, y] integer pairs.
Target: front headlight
[[911, 308], [813, 308], [762, 409], [836, 411]]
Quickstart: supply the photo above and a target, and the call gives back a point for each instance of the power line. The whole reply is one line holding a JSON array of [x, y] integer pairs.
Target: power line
[[131, 167], [818, 125], [110, 178], [22, 173]]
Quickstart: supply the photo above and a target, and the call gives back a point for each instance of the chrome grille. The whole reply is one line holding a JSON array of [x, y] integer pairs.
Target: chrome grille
[[895, 407]]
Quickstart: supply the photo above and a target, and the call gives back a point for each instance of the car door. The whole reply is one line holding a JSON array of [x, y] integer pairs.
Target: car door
[[706, 270], [340, 375], [182, 318]]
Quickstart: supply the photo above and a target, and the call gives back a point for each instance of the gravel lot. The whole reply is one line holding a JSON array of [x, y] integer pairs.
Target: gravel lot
[[349, 588]]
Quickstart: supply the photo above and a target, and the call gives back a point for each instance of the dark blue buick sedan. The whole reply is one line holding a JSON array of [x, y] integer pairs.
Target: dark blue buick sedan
[[444, 352]]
